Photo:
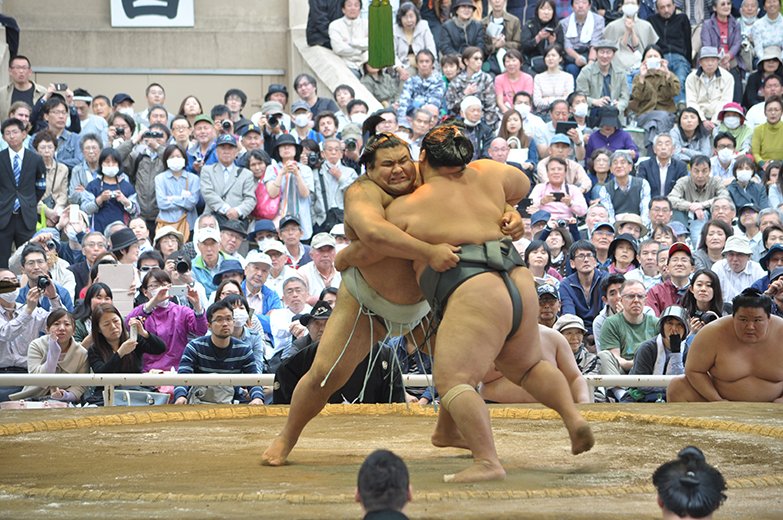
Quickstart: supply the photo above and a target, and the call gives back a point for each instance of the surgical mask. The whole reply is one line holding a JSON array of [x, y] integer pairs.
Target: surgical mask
[[110, 171], [580, 110], [154, 293], [471, 124], [630, 10], [749, 20], [731, 122], [11, 296], [744, 176], [523, 109], [176, 164], [240, 317], [358, 117], [725, 155], [128, 111], [301, 120]]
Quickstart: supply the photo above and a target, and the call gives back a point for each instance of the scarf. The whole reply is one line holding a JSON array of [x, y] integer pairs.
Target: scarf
[[587, 28]]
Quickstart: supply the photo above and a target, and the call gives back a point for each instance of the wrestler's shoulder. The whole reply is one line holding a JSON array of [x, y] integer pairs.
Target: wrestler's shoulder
[[365, 188]]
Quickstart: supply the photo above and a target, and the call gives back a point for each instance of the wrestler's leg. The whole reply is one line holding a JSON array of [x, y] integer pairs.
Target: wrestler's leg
[[680, 390], [309, 396], [469, 338], [520, 361]]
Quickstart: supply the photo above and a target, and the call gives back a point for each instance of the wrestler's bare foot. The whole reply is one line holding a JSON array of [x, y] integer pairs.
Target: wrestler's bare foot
[[480, 471], [277, 452], [581, 438], [449, 440]]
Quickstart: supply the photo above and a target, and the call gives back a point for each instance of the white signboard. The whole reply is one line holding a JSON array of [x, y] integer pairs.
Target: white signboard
[[152, 13]]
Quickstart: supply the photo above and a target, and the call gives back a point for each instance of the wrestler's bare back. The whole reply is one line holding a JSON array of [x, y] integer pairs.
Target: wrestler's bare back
[[740, 371]]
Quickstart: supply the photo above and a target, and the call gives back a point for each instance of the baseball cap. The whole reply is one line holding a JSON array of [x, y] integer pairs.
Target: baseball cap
[[337, 230], [322, 240], [321, 311], [272, 245], [569, 321], [299, 105], [272, 107], [738, 244], [708, 52], [560, 139], [226, 139], [540, 216], [548, 289], [120, 98], [204, 234], [287, 220], [680, 246], [257, 257], [251, 128], [602, 225], [264, 225]]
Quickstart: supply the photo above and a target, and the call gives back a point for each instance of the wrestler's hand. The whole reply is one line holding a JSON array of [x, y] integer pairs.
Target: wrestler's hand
[[442, 257], [256, 402], [512, 225], [181, 400]]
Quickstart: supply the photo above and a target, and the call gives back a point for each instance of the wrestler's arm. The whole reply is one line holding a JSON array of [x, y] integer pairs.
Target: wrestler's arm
[[566, 363], [365, 214], [356, 254], [701, 358]]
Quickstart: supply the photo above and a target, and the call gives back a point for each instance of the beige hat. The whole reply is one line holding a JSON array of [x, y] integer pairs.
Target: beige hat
[[737, 244], [272, 245], [630, 218], [569, 321], [168, 230]]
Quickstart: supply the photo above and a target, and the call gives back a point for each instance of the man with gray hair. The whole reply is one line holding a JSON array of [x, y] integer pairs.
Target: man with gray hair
[[723, 209], [662, 171], [709, 87], [479, 132], [331, 181], [625, 194]]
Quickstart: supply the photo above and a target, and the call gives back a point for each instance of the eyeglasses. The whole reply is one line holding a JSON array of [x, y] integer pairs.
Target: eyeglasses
[[33, 263], [95, 244], [59, 112], [584, 256], [146, 268], [632, 297], [229, 319]]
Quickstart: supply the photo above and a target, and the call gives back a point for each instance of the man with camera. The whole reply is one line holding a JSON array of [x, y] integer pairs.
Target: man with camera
[[203, 150], [147, 163], [332, 179], [36, 270], [20, 323]]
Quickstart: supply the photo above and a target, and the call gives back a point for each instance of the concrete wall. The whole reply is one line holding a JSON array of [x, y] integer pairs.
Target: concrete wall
[[74, 42]]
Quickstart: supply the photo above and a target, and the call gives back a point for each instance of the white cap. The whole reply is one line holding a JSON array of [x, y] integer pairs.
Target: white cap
[[272, 245], [323, 240], [204, 234], [737, 244], [469, 101], [337, 229], [257, 257]]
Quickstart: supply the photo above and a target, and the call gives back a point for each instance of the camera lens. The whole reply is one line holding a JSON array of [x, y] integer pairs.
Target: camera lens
[[182, 266], [561, 223], [226, 124], [43, 282], [350, 144], [51, 245], [273, 120]]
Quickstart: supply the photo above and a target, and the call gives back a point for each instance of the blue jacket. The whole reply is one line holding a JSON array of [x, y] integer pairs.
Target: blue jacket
[[754, 193], [573, 298], [65, 298]]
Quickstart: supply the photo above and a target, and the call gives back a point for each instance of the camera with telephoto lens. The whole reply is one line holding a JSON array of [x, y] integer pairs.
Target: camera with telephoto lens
[[182, 265], [273, 120], [226, 125], [350, 144], [43, 283], [313, 159], [705, 317]]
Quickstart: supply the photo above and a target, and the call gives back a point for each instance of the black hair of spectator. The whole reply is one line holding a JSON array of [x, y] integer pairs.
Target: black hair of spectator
[[558, 49], [222, 285], [171, 149], [558, 160], [568, 239], [259, 155], [306, 77], [84, 139], [327, 290], [557, 102], [700, 159], [80, 92], [56, 314], [535, 245], [513, 53], [219, 110], [451, 59], [159, 275], [654, 47], [153, 84], [573, 95], [404, 9], [688, 486], [325, 115], [383, 482], [356, 102], [611, 279], [768, 231], [105, 154], [342, 4], [104, 98], [379, 142], [181, 111], [85, 309], [447, 145], [311, 145], [232, 300], [724, 135], [688, 300], [346, 88], [700, 132], [425, 52], [768, 166], [218, 305], [54, 102], [752, 298], [160, 127], [30, 249], [776, 99], [153, 255], [101, 344], [551, 3], [125, 117], [20, 57], [235, 92], [44, 135], [157, 107], [293, 279], [525, 94], [771, 77], [746, 162], [581, 245], [726, 228], [660, 198], [179, 118]]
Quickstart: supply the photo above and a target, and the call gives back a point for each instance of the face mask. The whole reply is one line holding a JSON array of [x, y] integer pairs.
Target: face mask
[[110, 171], [471, 124], [744, 176], [630, 10], [240, 317], [358, 118], [523, 109], [176, 164], [10, 297], [154, 293], [725, 155], [580, 110], [731, 122], [748, 20], [128, 111], [301, 120]]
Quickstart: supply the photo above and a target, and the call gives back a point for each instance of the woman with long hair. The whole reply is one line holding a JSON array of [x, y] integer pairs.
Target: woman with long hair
[[538, 260], [244, 329], [113, 350], [541, 33], [598, 171], [689, 136], [97, 294], [190, 108], [559, 242], [512, 130], [703, 296]]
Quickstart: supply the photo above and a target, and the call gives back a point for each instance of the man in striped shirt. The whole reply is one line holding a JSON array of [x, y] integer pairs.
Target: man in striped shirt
[[218, 353]]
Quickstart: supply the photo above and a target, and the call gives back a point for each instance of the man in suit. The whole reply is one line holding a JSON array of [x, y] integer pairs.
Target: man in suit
[[22, 185], [93, 245], [228, 190], [662, 171]]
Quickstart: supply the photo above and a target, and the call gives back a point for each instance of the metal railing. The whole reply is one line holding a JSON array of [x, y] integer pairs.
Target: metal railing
[[110, 381]]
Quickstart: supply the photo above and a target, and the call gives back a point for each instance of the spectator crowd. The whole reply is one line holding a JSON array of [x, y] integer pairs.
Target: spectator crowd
[[650, 131]]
